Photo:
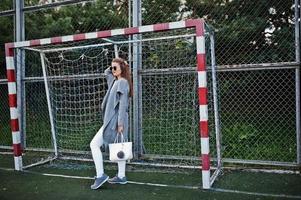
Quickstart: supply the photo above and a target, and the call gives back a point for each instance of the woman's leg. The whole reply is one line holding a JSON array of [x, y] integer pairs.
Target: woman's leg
[[121, 169], [120, 178], [95, 145]]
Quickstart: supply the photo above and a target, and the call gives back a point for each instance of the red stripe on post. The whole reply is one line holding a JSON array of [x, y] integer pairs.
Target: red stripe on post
[[14, 124], [17, 149], [161, 27], [203, 129], [190, 23], [201, 62], [78, 37], [198, 24], [56, 40], [12, 99], [202, 92], [199, 29], [205, 162], [130, 31], [104, 34], [11, 76], [34, 42], [9, 51]]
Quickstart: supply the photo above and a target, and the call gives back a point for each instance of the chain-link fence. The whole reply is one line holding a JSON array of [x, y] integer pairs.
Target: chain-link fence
[[6, 5], [246, 31], [258, 114], [257, 107], [6, 34]]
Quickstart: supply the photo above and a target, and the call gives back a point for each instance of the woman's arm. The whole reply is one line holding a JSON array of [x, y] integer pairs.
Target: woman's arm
[[123, 91], [109, 76]]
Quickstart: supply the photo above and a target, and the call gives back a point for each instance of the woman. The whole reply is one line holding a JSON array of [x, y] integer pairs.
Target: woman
[[115, 119]]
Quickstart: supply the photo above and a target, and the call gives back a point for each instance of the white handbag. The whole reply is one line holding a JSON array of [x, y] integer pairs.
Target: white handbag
[[120, 151]]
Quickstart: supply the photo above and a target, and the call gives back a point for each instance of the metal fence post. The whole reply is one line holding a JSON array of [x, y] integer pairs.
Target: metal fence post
[[137, 96], [297, 77], [20, 66]]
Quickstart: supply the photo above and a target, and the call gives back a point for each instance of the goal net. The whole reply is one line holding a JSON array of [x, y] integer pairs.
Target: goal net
[[171, 117]]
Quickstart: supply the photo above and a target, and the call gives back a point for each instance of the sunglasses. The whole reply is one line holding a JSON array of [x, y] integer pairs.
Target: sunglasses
[[113, 68]]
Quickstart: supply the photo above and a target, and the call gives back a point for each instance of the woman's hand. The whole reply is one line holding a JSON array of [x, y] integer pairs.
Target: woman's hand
[[120, 129]]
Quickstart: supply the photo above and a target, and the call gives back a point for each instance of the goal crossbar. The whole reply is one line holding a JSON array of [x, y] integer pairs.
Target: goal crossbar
[[109, 43]]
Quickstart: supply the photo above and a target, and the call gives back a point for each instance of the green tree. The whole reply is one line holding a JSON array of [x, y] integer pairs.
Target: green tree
[[248, 31], [80, 18], [158, 11]]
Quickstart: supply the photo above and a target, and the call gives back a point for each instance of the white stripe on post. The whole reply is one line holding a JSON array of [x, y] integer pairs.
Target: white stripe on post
[[148, 28], [117, 32], [13, 113], [200, 44], [205, 145], [10, 62], [12, 88], [18, 163], [22, 44], [67, 38], [16, 137], [174, 25], [206, 179], [91, 35], [203, 113], [202, 78], [45, 41]]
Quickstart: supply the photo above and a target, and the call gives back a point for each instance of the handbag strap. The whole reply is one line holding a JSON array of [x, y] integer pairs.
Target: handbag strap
[[116, 138]]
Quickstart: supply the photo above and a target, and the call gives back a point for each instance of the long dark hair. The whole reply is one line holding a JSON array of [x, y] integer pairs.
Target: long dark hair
[[125, 72]]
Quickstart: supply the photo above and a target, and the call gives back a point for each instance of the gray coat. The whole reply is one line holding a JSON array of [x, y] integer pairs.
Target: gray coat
[[115, 107]]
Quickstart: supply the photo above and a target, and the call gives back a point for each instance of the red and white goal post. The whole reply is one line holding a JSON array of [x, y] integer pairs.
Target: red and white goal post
[[187, 41]]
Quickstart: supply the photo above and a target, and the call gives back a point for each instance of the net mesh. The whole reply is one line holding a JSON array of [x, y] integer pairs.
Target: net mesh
[[76, 86]]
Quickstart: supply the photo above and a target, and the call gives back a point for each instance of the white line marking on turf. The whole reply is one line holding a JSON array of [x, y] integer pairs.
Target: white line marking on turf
[[132, 182], [164, 185], [256, 193], [59, 175], [7, 169]]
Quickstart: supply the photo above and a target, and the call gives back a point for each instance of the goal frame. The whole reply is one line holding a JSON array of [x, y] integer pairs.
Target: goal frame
[[199, 27]]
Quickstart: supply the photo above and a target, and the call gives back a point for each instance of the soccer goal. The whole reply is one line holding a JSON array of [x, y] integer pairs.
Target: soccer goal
[[60, 85]]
